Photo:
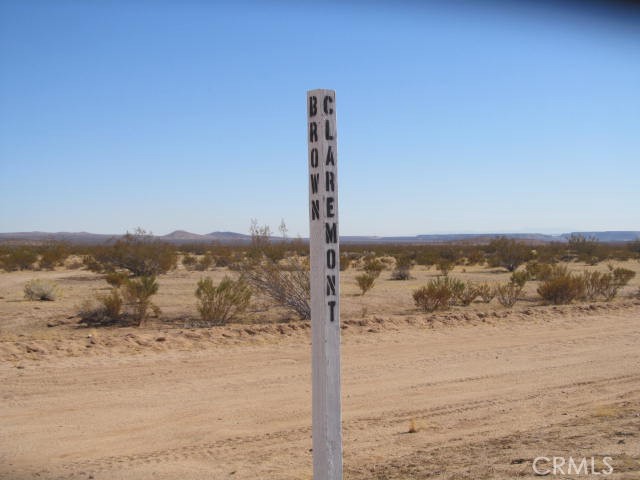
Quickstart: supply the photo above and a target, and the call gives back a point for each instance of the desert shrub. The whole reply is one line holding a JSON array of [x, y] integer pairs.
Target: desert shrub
[[372, 266], [138, 293], [138, 253], [365, 281], [597, 284], [621, 276], [539, 271], [508, 293], [116, 279], [436, 295], [562, 288], [486, 292], [586, 249], [519, 278], [189, 261], [345, 261], [205, 262], [402, 270], [507, 253], [53, 255], [219, 304], [18, 258], [445, 266], [104, 310], [40, 289], [287, 284], [466, 295]]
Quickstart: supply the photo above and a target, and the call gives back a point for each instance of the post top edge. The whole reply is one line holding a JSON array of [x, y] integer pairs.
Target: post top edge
[[320, 90]]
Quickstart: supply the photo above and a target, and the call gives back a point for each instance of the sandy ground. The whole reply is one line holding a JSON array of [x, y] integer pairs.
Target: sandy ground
[[489, 389]]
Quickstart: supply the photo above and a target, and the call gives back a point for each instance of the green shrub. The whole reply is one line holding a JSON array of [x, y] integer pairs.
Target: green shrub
[[436, 295], [508, 293], [218, 305], [138, 293], [40, 289]]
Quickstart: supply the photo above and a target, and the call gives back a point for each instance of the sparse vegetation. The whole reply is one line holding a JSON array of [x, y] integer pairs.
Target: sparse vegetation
[[219, 304], [365, 281], [508, 253], [436, 295], [138, 293], [40, 289], [508, 293], [402, 270], [486, 292], [562, 287]]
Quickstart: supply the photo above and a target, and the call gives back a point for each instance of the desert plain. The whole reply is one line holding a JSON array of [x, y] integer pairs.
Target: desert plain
[[471, 393]]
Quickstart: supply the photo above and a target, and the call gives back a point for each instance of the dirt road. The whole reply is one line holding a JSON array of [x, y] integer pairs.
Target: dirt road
[[486, 400]]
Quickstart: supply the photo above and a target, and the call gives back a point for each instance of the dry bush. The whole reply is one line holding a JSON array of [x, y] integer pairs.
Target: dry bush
[[621, 276], [562, 288], [436, 295], [189, 261], [508, 293], [598, 284], [138, 253], [345, 261], [539, 271], [486, 292], [18, 258], [116, 279], [205, 262], [218, 305], [445, 266], [287, 284], [519, 278], [507, 253], [138, 293], [40, 289], [468, 293], [53, 255], [402, 270], [104, 310], [365, 281], [373, 266]]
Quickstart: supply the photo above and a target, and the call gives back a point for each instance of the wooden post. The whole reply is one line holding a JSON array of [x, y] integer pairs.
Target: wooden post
[[325, 284]]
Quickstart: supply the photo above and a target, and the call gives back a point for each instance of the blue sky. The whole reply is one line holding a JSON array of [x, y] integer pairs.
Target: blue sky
[[453, 116]]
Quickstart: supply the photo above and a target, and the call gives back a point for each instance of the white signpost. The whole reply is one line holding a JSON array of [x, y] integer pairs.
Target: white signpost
[[325, 284]]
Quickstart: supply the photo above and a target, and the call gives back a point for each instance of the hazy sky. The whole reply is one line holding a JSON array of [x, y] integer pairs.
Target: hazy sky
[[453, 116]]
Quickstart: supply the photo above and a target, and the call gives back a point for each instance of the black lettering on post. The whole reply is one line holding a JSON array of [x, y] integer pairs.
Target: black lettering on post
[[330, 207], [328, 110], [331, 285], [330, 159], [327, 130], [313, 106], [314, 182], [329, 182], [331, 258], [315, 209], [331, 233], [313, 132], [332, 306], [314, 158]]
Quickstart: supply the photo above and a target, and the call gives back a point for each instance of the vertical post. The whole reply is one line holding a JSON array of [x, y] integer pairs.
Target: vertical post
[[325, 284]]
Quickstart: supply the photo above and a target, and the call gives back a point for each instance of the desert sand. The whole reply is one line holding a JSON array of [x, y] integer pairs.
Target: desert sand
[[487, 388]]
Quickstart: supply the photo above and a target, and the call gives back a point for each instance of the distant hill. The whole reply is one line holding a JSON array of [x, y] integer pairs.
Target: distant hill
[[181, 237]]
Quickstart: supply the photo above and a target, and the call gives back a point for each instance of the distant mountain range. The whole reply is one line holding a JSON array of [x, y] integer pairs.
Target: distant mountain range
[[183, 237]]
